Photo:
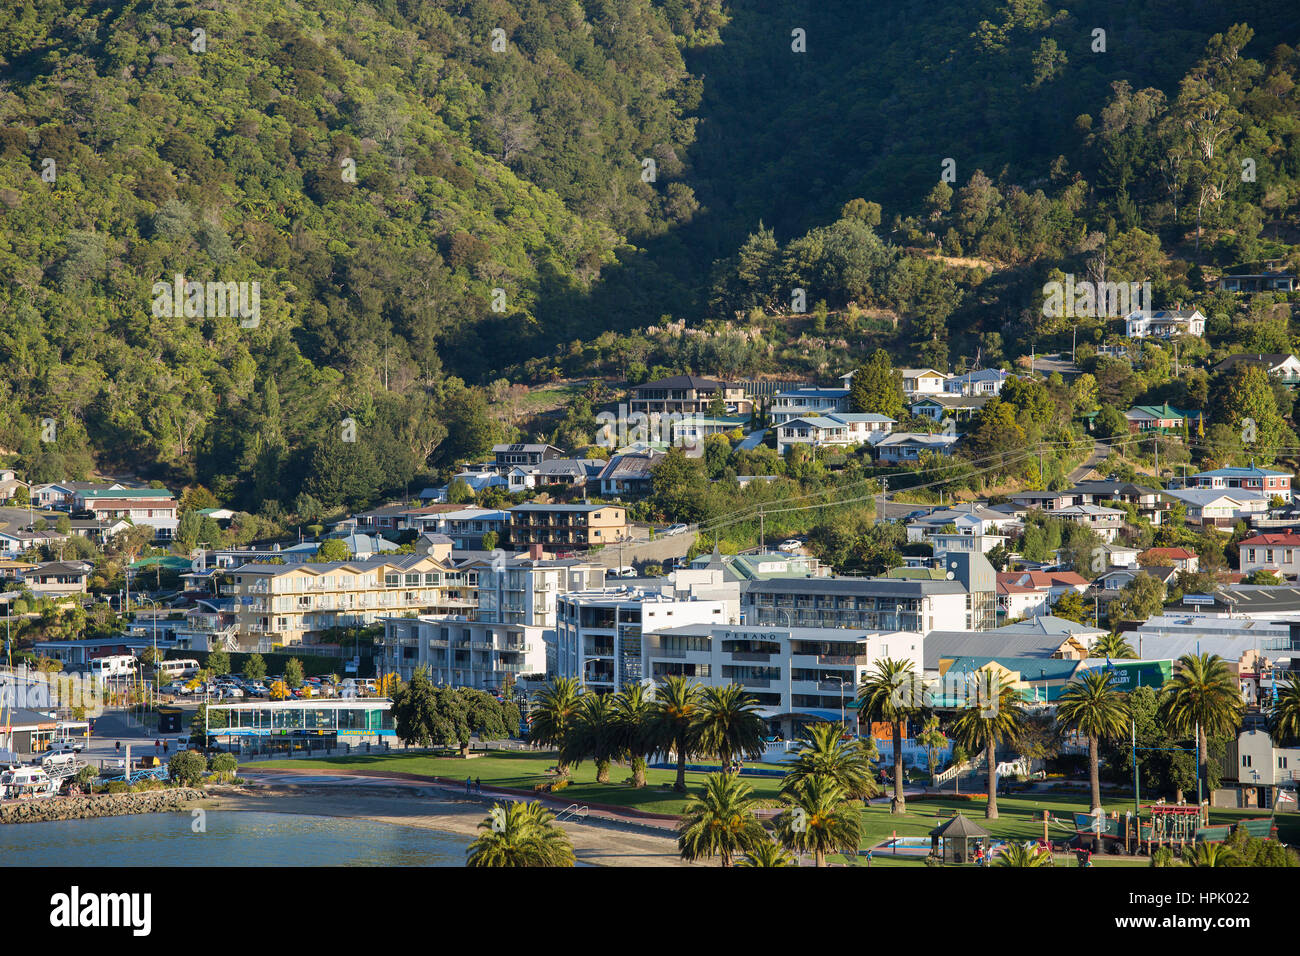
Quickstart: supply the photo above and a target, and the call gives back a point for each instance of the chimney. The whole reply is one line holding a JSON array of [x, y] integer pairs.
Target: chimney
[[535, 552]]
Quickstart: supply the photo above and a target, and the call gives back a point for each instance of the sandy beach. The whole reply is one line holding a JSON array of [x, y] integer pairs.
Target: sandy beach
[[599, 844]]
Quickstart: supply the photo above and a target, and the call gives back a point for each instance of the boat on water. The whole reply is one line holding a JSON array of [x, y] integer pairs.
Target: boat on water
[[27, 783]]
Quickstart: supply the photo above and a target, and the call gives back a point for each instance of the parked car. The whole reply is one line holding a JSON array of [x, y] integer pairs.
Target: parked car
[[677, 529], [176, 690], [69, 744], [790, 545]]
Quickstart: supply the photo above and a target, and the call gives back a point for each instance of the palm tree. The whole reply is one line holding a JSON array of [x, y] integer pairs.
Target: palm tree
[[1092, 707], [1024, 854], [720, 821], [820, 820], [593, 733], [825, 753], [995, 715], [553, 713], [768, 853], [1164, 856], [520, 834], [1284, 721], [889, 693], [729, 724], [932, 739], [1113, 645], [632, 710], [1202, 698], [673, 722], [1214, 854]]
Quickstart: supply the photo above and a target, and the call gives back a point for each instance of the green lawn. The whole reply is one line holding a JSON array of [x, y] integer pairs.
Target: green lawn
[[1017, 815], [524, 770]]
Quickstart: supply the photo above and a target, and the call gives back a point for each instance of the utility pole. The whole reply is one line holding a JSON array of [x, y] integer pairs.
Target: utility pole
[[1133, 740], [762, 532]]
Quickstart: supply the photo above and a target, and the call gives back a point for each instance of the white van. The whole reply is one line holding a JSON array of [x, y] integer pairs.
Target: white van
[[114, 665]]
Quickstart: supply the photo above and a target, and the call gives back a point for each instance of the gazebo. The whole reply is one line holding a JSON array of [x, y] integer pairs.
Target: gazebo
[[958, 837]]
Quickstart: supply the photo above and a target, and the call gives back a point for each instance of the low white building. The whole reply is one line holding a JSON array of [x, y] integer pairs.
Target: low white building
[[897, 447]]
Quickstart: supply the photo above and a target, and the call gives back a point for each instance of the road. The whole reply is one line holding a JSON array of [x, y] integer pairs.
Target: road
[[1100, 451]]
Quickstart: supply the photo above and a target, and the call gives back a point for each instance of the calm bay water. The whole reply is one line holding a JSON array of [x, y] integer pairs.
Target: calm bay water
[[233, 838]]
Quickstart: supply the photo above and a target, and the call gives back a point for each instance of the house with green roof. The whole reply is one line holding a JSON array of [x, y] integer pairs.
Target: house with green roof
[[1162, 418]]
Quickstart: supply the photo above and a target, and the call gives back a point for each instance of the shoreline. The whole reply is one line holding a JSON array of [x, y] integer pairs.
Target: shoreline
[[432, 808]]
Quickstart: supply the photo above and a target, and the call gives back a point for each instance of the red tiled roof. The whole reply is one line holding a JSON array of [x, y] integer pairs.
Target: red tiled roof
[[1174, 554], [1287, 540]]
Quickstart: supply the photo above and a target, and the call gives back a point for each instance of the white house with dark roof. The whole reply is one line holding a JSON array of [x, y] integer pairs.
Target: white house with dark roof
[[1164, 324]]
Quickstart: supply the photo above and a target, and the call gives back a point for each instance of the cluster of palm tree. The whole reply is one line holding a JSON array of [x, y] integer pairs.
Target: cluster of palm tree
[[683, 718], [821, 813], [520, 834]]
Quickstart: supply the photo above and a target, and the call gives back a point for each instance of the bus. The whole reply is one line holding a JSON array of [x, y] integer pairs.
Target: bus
[[114, 665], [185, 667]]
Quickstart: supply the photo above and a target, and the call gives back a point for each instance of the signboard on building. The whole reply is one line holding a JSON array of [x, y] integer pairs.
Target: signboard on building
[[1129, 675]]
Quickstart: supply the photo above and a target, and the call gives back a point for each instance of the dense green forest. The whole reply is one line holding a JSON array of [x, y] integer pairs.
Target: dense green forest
[[432, 207]]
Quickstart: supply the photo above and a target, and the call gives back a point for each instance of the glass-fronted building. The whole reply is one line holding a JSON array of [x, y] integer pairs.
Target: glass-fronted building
[[347, 720]]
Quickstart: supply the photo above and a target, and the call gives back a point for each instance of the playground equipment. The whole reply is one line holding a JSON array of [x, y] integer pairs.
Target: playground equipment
[[1175, 825]]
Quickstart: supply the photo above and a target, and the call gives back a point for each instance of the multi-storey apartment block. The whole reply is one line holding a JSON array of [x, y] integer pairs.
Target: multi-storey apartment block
[[576, 526], [293, 604]]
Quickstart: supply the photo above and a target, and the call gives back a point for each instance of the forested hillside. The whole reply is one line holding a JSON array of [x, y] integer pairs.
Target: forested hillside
[[501, 205]]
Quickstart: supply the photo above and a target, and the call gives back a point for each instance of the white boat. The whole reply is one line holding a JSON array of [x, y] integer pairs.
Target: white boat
[[27, 782]]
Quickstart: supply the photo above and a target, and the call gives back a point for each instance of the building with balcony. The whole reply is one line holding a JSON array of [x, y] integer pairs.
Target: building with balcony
[[1280, 365], [294, 604], [599, 635], [460, 652], [567, 527], [687, 394], [1251, 478], [1164, 324], [869, 604], [154, 507], [798, 675], [841, 429], [801, 402]]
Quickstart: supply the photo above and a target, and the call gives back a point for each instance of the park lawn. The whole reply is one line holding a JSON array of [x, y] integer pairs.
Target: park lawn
[[523, 771]]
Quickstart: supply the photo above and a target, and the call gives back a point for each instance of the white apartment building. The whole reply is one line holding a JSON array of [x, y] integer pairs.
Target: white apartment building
[[507, 633], [461, 652], [797, 674], [599, 634]]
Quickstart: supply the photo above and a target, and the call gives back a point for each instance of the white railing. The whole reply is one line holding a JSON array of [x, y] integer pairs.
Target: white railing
[[573, 812]]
